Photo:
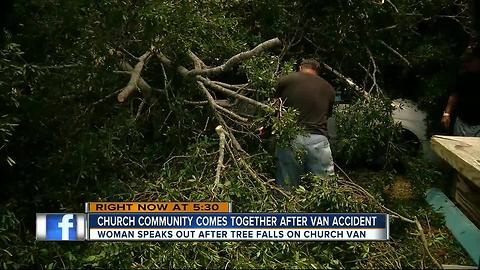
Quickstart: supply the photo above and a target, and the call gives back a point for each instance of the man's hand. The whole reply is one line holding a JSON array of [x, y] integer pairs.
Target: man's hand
[[446, 121]]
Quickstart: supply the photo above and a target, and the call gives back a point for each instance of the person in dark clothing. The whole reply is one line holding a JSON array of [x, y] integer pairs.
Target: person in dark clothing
[[464, 100], [313, 97]]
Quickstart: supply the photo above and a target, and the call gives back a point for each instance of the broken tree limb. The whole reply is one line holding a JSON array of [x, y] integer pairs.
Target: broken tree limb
[[184, 72], [231, 93], [236, 59], [230, 113], [200, 64], [217, 105], [220, 119], [373, 75], [425, 244], [164, 60], [134, 78], [237, 87], [221, 133], [347, 80], [142, 84], [221, 102]]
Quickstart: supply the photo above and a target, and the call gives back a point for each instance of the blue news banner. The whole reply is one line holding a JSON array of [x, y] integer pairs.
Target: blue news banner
[[212, 227], [237, 227]]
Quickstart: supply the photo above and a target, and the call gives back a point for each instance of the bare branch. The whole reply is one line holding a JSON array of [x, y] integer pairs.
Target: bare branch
[[224, 103], [221, 133], [237, 87], [231, 93], [205, 102], [105, 98], [230, 113], [395, 52], [140, 108], [387, 28], [394, 7], [236, 59], [142, 84], [180, 69], [347, 80], [132, 84], [130, 54], [184, 72], [373, 76], [425, 244], [195, 59], [57, 66], [220, 119], [197, 63]]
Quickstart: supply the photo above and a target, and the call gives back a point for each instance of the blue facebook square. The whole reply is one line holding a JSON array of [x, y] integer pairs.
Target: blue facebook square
[[61, 227]]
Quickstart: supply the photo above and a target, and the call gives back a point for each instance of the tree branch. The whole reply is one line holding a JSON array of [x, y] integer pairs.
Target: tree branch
[[142, 84], [236, 59], [231, 93], [205, 102], [395, 52], [347, 80], [220, 119], [133, 83], [237, 87], [221, 133], [140, 108], [230, 113], [195, 59], [215, 86]]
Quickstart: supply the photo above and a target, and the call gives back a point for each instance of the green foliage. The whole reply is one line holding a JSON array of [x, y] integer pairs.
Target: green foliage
[[284, 126], [366, 131], [183, 25], [189, 178], [261, 73], [12, 81]]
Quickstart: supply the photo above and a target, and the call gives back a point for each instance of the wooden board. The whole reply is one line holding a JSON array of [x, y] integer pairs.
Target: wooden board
[[467, 196], [462, 153]]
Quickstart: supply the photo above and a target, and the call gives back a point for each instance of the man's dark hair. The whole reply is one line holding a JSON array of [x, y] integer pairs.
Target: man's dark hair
[[311, 63]]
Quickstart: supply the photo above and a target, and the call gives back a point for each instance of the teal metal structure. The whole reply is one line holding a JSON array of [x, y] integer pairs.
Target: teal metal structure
[[461, 227]]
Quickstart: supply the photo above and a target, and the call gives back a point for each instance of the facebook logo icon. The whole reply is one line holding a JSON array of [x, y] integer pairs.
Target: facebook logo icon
[[60, 227]]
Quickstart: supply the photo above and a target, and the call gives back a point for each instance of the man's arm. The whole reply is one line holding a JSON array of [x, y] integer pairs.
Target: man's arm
[[451, 105]]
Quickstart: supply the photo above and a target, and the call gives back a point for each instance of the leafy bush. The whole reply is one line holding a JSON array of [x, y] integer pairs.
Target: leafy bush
[[367, 132]]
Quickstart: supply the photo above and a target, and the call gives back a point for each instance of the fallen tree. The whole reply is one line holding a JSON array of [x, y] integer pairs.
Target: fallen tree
[[221, 110]]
